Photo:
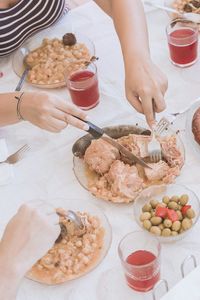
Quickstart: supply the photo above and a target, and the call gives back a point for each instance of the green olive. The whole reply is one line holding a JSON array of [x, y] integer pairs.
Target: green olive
[[190, 213], [173, 205], [155, 230], [180, 216], [181, 231], [153, 203], [175, 199], [147, 224], [165, 199], [153, 213], [184, 199], [156, 220], [179, 207], [145, 216], [166, 232], [167, 223], [147, 207], [174, 233], [186, 224], [161, 205], [176, 226]]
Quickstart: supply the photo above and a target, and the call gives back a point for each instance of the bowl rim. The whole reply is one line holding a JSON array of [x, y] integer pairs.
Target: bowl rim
[[163, 238], [59, 84], [73, 199]]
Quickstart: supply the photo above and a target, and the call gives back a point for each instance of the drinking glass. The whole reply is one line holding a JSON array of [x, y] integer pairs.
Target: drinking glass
[[140, 258], [83, 87], [182, 38]]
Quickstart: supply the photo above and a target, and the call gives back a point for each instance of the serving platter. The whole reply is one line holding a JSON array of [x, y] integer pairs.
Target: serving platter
[[80, 168]]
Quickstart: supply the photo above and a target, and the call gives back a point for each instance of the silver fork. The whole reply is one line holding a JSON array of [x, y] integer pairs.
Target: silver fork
[[154, 147], [17, 156]]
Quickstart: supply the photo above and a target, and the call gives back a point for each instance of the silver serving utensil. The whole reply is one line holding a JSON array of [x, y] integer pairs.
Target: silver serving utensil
[[98, 132], [154, 147], [24, 52], [188, 16]]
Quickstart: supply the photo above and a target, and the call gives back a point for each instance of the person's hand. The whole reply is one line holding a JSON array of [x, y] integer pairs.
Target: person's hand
[[28, 236], [50, 112], [145, 82]]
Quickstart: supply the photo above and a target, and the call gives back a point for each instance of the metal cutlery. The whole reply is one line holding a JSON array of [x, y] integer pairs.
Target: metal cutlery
[[161, 126], [154, 147], [98, 132], [24, 52], [17, 156]]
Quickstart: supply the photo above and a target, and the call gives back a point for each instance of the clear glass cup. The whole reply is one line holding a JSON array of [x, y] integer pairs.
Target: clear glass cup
[[182, 36], [140, 258], [83, 87]]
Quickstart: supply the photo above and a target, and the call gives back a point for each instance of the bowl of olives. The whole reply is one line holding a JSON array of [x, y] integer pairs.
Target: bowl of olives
[[167, 211]]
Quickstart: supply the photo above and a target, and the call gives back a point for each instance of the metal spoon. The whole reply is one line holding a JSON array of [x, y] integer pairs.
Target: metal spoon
[[24, 52], [188, 16]]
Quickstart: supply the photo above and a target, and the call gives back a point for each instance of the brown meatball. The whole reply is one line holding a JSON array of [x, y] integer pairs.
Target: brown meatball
[[196, 125]]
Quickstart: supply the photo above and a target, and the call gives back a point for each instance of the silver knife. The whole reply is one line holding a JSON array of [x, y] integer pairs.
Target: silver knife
[[98, 132], [124, 151]]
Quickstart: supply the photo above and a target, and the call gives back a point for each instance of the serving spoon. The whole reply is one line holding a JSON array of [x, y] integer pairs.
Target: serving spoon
[[24, 52], [188, 16]]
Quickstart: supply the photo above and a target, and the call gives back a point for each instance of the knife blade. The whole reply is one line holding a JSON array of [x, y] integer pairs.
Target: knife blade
[[124, 151], [98, 132]]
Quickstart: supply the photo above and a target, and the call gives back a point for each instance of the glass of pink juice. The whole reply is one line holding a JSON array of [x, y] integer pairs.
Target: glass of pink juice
[[83, 87], [140, 258], [182, 38]]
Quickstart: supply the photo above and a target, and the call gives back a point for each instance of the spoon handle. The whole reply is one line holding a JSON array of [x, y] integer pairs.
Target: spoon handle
[[22, 79]]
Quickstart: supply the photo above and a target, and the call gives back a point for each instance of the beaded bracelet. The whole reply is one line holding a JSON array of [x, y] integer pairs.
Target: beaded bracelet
[[19, 99]]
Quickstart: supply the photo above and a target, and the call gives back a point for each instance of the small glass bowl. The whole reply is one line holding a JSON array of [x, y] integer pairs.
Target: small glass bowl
[[83, 206], [34, 43], [157, 192]]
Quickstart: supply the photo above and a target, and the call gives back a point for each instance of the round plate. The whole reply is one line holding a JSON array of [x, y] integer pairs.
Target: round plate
[[80, 169], [189, 134], [85, 206], [34, 43]]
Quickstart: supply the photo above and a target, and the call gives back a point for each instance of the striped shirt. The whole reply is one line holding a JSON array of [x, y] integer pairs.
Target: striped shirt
[[24, 19]]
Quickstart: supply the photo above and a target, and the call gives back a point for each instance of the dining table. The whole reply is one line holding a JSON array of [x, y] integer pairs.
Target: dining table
[[46, 171]]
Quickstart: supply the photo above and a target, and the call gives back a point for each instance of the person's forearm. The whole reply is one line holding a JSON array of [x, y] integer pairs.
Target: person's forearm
[[9, 280], [8, 108], [130, 23]]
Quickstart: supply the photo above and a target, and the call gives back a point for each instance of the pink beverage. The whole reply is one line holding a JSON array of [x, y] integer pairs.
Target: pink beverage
[[83, 87], [183, 45], [140, 258], [145, 278]]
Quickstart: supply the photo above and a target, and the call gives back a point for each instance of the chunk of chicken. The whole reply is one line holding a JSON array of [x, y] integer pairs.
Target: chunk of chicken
[[171, 152], [157, 171], [124, 179], [100, 155]]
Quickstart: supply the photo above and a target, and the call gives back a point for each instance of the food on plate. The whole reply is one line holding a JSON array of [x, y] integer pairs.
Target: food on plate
[[196, 126], [100, 156], [75, 252], [56, 57], [170, 217], [114, 180], [187, 6]]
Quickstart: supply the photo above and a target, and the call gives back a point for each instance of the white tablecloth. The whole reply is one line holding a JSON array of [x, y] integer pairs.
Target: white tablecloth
[[47, 170]]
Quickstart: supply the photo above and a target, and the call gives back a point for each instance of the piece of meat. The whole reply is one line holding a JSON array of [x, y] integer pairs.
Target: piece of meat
[[171, 152], [196, 125], [137, 144], [124, 179], [158, 171], [100, 155]]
